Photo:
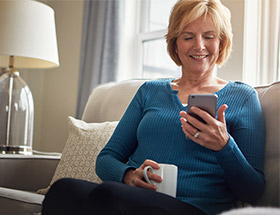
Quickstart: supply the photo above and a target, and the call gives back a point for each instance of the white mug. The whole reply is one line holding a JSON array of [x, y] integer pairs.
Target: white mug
[[168, 173]]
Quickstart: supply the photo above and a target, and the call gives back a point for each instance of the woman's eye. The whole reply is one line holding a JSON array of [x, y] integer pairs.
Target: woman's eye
[[187, 38], [209, 37]]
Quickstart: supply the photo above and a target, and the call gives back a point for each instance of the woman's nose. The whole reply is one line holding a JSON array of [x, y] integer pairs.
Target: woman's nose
[[199, 44]]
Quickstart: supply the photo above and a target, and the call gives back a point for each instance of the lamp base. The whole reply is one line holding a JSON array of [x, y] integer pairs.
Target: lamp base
[[22, 150], [16, 114]]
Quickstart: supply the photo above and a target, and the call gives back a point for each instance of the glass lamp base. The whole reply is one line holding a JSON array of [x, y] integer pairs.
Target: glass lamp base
[[16, 114], [22, 150]]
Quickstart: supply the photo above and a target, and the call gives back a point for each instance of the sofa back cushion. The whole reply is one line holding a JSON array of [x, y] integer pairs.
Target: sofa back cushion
[[108, 102], [270, 101]]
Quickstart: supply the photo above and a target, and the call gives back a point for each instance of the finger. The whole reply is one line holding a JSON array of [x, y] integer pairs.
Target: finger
[[186, 132], [188, 127], [153, 177], [189, 122], [140, 183], [193, 124], [203, 115], [221, 113], [183, 114], [192, 137], [151, 163]]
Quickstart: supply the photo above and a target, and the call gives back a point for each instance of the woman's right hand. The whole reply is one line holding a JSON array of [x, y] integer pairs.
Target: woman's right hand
[[135, 177]]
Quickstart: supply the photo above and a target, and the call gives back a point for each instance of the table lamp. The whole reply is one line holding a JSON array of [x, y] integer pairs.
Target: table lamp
[[27, 40]]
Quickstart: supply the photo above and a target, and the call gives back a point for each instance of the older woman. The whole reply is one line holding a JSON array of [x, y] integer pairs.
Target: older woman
[[219, 162]]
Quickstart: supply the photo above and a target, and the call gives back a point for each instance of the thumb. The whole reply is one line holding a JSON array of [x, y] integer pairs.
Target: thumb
[[221, 113]]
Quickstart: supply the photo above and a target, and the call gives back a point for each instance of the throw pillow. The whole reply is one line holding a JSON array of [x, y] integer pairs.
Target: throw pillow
[[84, 143]]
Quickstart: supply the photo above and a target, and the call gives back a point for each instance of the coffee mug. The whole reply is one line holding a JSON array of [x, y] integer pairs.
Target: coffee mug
[[168, 173]]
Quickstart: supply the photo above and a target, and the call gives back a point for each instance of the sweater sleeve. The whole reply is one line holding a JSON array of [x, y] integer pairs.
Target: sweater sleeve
[[111, 161], [242, 158]]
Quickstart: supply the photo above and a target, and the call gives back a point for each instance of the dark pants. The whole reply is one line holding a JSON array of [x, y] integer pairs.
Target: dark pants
[[71, 196]]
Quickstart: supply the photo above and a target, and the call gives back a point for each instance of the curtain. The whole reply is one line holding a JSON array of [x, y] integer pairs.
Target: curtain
[[269, 44], [100, 46]]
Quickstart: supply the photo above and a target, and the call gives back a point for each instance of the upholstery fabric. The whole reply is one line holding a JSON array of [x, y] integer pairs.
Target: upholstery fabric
[[84, 143], [108, 102], [19, 202], [270, 101]]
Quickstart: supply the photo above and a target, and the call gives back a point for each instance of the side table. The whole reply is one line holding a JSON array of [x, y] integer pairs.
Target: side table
[[27, 172]]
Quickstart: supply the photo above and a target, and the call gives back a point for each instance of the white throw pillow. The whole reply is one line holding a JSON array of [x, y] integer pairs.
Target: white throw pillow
[[84, 143]]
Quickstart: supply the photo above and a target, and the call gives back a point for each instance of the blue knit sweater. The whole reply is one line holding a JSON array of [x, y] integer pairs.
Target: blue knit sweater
[[211, 181]]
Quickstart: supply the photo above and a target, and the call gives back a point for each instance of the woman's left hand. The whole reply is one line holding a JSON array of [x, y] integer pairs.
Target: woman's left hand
[[212, 135]]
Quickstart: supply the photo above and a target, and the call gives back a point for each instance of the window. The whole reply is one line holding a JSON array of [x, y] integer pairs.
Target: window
[[148, 56], [155, 60]]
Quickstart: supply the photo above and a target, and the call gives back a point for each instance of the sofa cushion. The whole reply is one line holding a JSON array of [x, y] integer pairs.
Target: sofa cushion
[[84, 143], [270, 101], [18, 202], [108, 102]]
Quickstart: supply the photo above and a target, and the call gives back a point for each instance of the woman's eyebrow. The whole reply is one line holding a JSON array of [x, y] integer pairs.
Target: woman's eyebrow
[[206, 32], [186, 32], [210, 32]]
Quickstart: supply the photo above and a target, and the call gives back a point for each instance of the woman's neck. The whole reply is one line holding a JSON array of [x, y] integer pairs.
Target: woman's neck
[[198, 83]]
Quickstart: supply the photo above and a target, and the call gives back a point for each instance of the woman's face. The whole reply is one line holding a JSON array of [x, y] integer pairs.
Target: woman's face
[[198, 46]]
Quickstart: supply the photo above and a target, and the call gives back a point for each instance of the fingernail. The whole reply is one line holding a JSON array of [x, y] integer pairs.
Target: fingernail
[[183, 119]]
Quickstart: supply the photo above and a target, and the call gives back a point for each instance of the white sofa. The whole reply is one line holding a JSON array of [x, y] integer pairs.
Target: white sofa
[[22, 177]]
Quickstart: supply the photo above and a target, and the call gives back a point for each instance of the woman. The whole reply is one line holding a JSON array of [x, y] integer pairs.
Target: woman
[[219, 163]]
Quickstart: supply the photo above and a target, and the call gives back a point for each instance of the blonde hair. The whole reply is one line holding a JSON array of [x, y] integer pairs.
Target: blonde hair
[[187, 11]]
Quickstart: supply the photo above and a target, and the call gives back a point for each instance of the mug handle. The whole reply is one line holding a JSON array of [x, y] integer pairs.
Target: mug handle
[[146, 169]]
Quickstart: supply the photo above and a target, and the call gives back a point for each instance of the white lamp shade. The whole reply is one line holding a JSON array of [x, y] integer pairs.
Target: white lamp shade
[[27, 32]]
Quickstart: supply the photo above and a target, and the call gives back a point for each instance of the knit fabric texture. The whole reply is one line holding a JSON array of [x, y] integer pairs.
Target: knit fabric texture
[[212, 181]]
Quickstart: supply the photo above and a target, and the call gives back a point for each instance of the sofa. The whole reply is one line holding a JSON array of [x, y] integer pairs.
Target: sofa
[[25, 179]]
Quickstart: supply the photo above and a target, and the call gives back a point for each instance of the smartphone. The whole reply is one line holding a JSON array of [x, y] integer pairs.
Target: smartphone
[[206, 102]]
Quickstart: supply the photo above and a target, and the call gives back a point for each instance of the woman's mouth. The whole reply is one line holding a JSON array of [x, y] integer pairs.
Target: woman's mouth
[[198, 56]]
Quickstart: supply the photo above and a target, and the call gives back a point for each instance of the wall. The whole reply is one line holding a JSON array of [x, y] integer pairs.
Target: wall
[[55, 90]]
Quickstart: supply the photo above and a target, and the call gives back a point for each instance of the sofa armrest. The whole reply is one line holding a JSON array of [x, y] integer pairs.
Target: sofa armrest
[[27, 172]]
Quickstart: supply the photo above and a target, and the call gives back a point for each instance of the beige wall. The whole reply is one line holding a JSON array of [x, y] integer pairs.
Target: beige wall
[[55, 91]]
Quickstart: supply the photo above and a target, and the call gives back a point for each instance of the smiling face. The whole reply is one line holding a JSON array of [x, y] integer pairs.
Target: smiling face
[[198, 46]]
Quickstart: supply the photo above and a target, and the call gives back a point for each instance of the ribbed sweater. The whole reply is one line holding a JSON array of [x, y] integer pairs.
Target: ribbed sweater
[[212, 181]]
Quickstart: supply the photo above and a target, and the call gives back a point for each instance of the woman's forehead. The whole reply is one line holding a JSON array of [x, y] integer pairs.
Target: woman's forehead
[[201, 24]]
